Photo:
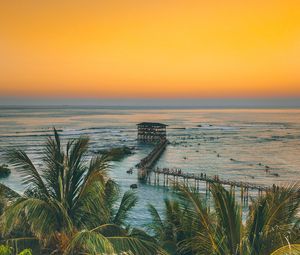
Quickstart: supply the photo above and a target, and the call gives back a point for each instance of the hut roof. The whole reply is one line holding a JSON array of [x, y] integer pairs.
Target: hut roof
[[152, 124]]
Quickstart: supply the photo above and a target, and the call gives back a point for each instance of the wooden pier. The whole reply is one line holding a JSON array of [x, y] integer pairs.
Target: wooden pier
[[175, 177], [149, 132], [146, 164]]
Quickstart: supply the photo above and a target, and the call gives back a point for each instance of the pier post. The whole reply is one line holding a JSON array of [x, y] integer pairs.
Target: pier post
[[242, 194], [194, 180]]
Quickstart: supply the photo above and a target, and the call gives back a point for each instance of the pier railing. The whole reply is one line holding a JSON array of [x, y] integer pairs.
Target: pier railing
[[173, 177], [203, 177]]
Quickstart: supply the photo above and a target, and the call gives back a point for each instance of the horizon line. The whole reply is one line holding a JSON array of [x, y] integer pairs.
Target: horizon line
[[246, 103]]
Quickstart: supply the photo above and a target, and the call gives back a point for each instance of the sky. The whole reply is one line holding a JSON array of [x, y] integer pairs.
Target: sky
[[150, 49]]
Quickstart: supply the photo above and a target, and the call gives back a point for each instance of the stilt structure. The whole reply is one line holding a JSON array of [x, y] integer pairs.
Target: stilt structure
[[151, 132], [156, 132], [146, 164], [192, 179]]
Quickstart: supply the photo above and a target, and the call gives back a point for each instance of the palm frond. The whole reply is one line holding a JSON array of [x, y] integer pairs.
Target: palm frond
[[111, 196], [76, 151], [37, 213], [169, 231], [200, 213], [157, 224], [30, 175], [229, 219], [53, 158], [292, 249], [89, 242], [110, 229], [96, 173], [89, 210], [75, 166], [99, 164], [128, 201], [8, 193], [273, 218], [137, 242]]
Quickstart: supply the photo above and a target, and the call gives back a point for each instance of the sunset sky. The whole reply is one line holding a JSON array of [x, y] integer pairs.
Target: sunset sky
[[150, 49]]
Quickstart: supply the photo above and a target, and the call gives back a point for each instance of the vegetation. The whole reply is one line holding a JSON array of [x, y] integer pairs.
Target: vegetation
[[190, 227], [292, 249], [6, 250], [25, 252], [4, 171], [116, 154], [70, 205]]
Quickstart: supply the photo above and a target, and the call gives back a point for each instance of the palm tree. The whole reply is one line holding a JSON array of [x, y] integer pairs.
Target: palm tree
[[272, 222], [70, 205]]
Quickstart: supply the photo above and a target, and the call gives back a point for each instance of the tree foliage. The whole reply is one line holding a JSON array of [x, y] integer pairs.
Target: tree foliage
[[70, 205], [190, 227]]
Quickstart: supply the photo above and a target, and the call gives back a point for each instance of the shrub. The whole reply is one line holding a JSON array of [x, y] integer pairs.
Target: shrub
[[5, 250], [25, 252], [116, 154]]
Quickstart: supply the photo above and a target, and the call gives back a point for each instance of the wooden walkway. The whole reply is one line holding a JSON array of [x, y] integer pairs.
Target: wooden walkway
[[178, 173], [176, 176], [173, 177], [146, 164]]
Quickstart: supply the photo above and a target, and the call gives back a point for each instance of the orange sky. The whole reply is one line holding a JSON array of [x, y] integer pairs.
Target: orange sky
[[157, 48]]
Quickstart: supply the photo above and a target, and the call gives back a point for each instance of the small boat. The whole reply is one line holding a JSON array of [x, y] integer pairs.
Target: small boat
[[130, 171], [134, 186]]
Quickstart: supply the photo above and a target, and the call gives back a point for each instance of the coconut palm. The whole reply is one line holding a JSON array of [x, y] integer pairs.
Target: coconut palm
[[70, 205], [272, 222], [172, 229]]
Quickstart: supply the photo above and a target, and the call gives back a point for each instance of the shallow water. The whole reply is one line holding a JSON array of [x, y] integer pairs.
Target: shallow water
[[246, 140]]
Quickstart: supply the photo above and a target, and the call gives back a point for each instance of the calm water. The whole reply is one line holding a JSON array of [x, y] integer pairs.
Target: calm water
[[246, 141]]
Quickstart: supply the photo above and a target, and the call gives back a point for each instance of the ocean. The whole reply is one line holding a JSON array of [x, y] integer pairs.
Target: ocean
[[236, 144]]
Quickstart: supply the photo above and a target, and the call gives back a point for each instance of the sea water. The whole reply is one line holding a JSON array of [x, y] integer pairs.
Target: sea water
[[260, 146]]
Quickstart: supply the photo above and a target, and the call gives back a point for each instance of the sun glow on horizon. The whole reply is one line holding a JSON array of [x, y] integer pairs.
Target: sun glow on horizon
[[150, 48]]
